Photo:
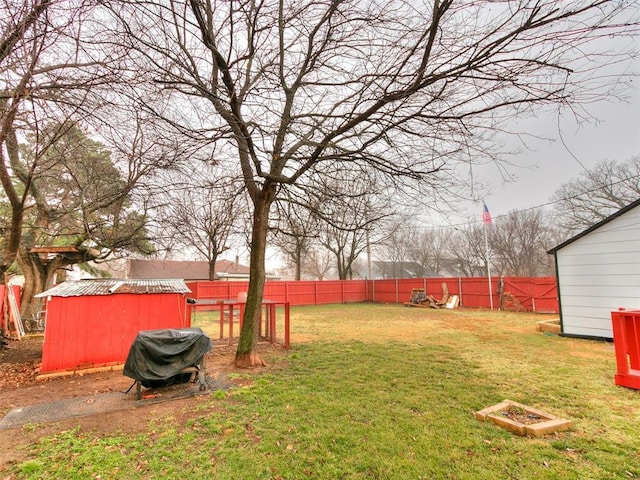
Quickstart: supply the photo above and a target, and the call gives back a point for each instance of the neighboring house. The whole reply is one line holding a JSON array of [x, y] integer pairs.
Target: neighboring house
[[598, 271], [400, 270], [187, 270]]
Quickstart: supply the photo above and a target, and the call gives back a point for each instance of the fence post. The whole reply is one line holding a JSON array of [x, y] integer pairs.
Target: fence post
[[397, 292]]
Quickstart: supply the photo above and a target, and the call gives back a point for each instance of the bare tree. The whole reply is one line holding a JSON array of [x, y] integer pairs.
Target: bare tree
[[431, 249], [297, 227], [408, 240], [596, 194], [348, 211], [202, 215], [398, 87], [468, 250], [396, 246], [346, 241], [317, 263], [519, 242]]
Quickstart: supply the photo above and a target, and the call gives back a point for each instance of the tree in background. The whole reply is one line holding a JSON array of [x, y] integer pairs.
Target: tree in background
[[202, 214], [318, 262], [430, 248], [76, 198], [519, 242], [67, 188], [468, 252], [295, 233], [516, 246], [395, 247], [345, 238], [409, 241], [349, 210], [596, 194]]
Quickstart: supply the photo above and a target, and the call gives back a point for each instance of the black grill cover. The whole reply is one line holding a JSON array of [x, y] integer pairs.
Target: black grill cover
[[156, 357]]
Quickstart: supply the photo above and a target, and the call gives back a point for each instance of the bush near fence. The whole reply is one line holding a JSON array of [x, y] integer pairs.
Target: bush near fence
[[532, 294]]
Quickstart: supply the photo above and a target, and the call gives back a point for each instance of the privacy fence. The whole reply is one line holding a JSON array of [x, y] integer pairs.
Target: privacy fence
[[536, 294]]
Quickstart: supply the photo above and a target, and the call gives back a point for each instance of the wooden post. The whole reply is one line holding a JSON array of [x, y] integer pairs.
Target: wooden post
[[221, 306], [287, 312], [272, 322]]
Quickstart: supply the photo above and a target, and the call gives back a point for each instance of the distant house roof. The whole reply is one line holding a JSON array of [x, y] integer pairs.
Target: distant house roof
[[110, 286], [622, 211], [188, 270]]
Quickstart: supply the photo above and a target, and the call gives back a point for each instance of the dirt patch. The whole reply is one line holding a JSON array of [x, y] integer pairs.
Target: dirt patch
[[19, 366], [520, 415], [20, 362]]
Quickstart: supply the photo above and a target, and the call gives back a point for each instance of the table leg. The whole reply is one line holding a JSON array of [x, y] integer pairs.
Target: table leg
[[272, 322], [287, 313], [221, 321]]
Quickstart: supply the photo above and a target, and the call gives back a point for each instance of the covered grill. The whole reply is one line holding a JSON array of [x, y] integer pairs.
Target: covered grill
[[168, 356]]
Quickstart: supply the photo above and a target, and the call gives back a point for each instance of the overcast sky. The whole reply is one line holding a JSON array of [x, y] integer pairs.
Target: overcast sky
[[616, 136]]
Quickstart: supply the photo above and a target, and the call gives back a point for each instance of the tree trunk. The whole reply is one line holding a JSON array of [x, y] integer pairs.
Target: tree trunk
[[9, 140], [37, 278], [342, 270], [298, 261], [212, 268], [12, 242], [246, 355]]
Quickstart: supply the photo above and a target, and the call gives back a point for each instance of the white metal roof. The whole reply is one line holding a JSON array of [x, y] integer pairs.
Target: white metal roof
[[110, 286]]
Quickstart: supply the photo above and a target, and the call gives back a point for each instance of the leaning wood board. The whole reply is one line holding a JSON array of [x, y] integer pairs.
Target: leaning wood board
[[14, 313]]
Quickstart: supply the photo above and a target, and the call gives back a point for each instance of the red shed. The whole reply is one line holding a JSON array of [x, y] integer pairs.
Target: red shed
[[92, 323]]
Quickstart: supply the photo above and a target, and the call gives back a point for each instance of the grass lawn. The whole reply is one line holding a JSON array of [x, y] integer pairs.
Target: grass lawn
[[385, 392]]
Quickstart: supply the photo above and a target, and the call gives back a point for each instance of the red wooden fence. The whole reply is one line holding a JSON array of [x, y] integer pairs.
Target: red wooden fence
[[537, 294]]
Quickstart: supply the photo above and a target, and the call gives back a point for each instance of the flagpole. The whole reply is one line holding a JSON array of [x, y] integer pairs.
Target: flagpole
[[486, 219], [486, 248]]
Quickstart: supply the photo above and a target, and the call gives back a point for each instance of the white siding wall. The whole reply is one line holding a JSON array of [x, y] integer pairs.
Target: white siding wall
[[598, 273]]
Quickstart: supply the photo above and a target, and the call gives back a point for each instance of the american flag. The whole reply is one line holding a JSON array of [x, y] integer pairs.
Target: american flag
[[486, 216]]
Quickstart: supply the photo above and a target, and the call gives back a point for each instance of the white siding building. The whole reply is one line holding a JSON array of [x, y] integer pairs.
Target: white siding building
[[598, 271]]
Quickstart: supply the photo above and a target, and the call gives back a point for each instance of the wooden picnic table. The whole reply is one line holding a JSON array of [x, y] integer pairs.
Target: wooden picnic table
[[229, 307]]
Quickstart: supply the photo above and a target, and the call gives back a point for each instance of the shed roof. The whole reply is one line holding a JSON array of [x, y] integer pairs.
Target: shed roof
[[110, 286], [620, 212]]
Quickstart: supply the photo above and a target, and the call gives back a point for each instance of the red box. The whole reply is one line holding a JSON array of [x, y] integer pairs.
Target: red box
[[626, 339]]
